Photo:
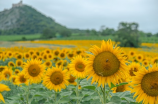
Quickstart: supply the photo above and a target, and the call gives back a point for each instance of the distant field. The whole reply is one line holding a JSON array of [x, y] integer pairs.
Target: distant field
[[19, 37], [72, 37]]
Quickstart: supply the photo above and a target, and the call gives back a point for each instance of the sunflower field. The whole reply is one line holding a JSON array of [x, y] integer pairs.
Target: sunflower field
[[79, 72]]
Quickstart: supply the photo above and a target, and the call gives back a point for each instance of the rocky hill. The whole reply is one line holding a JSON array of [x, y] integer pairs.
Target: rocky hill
[[24, 19]]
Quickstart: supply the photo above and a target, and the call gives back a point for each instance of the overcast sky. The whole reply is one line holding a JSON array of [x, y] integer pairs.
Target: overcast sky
[[92, 14]]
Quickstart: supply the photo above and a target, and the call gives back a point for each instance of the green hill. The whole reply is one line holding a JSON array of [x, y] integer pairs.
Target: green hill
[[25, 20]]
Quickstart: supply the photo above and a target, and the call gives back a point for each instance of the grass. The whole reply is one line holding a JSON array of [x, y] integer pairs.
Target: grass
[[19, 37], [152, 39]]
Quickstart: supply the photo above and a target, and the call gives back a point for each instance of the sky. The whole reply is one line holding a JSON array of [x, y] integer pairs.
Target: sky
[[92, 14]]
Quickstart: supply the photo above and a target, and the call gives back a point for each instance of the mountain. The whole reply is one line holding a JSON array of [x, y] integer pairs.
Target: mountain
[[23, 19]]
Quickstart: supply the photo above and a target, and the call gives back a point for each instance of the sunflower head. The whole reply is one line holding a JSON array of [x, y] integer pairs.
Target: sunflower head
[[134, 68], [27, 55], [56, 79], [17, 71], [34, 70], [77, 67], [145, 85], [7, 74], [106, 64], [11, 64], [21, 79], [48, 63], [19, 62]]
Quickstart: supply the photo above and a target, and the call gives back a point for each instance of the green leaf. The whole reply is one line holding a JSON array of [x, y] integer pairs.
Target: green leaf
[[123, 83], [87, 93], [112, 85], [115, 99], [89, 87], [65, 93]]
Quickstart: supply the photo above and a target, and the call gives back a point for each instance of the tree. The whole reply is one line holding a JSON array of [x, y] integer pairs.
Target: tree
[[65, 32], [107, 31], [127, 34], [48, 33]]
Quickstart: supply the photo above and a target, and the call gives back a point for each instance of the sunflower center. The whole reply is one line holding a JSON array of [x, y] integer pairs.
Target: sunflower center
[[34, 70], [22, 79], [11, 64], [62, 55], [80, 67], [27, 56], [106, 64], [56, 52], [48, 63], [1, 69], [72, 79], [149, 84], [131, 72], [16, 72], [19, 63], [56, 78], [70, 55], [120, 88], [7, 74]]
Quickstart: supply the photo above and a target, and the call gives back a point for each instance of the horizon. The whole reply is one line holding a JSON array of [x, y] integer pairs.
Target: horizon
[[72, 19]]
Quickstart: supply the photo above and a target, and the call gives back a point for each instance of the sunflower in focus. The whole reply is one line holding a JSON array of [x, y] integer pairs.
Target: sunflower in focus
[[3, 88], [77, 67], [34, 70], [145, 85], [106, 64], [56, 79], [21, 79]]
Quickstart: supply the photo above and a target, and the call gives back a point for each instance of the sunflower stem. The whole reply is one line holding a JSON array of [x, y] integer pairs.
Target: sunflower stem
[[27, 96], [104, 94], [77, 94], [56, 96]]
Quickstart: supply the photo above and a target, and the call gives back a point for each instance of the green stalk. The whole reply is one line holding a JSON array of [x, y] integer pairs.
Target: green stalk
[[56, 96], [104, 94], [77, 94], [27, 96]]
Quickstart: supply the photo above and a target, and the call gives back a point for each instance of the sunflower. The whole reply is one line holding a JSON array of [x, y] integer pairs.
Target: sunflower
[[155, 60], [47, 51], [62, 55], [13, 79], [131, 53], [134, 68], [56, 79], [27, 55], [145, 63], [48, 63], [59, 63], [121, 88], [145, 85], [3, 88], [21, 79], [11, 64], [55, 59], [56, 52], [34, 70], [19, 62], [19, 56], [17, 71], [70, 55], [9, 54], [1, 56], [139, 57], [7, 74], [34, 56], [77, 67], [45, 57], [72, 80], [106, 64], [2, 68], [65, 63], [50, 56], [31, 52]]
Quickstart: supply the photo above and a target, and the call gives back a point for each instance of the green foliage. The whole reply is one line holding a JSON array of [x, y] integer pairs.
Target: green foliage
[[48, 33], [127, 35], [65, 32]]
